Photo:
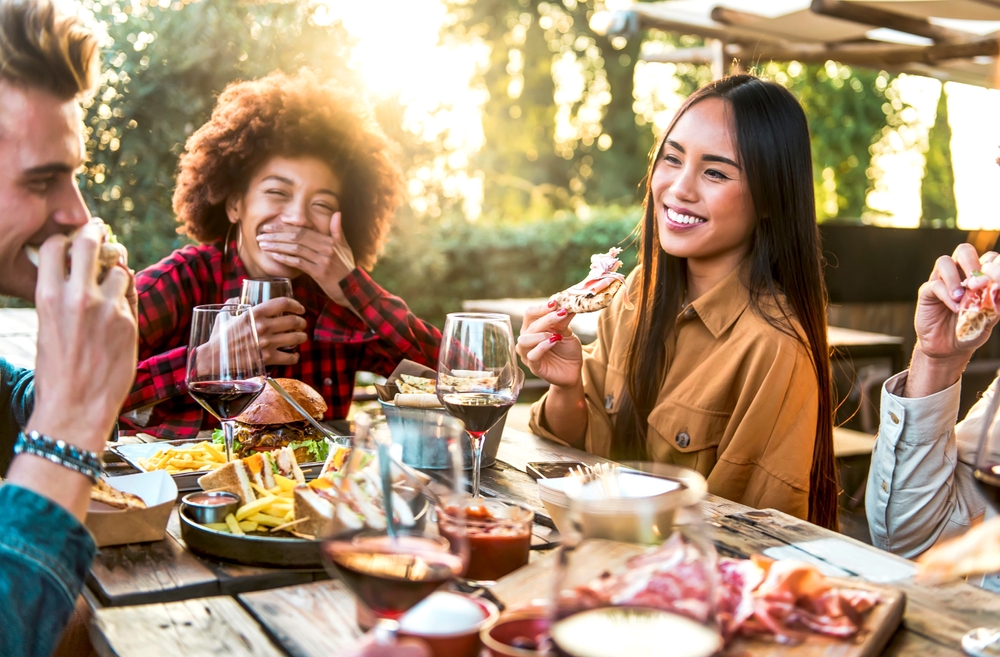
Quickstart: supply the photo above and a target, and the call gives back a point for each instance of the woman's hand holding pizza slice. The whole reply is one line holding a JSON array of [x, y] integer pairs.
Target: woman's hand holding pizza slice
[[548, 347]]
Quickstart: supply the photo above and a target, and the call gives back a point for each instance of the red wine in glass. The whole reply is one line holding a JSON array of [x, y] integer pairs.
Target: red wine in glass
[[477, 410], [225, 369], [225, 399], [988, 480], [392, 575]]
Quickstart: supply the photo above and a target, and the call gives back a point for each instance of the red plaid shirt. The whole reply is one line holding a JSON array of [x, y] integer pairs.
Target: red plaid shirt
[[342, 343]]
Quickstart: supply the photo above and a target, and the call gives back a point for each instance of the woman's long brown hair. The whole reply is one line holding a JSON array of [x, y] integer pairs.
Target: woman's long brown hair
[[772, 138]]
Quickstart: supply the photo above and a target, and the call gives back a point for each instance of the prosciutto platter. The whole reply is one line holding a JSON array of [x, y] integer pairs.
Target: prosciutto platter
[[765, 607], [783, 601]]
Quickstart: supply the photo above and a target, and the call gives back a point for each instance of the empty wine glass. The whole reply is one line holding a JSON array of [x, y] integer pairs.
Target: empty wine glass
[[225, 369], [397, 558], [478, 377]]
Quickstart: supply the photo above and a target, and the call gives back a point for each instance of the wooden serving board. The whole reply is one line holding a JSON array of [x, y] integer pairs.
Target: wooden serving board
[[536, 582]]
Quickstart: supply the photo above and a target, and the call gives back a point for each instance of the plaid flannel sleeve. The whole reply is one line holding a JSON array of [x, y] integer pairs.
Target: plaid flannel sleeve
[[400, 333], [166, 297]]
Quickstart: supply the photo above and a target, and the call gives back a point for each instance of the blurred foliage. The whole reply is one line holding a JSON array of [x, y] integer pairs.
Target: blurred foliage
[[438, 264], [164, 68], [937, 193]]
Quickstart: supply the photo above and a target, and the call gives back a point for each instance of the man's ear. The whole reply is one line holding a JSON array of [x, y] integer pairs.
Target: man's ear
[[234, 203]]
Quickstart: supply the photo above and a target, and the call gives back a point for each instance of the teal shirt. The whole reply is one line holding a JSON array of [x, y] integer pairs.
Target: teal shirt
[[45, 552]]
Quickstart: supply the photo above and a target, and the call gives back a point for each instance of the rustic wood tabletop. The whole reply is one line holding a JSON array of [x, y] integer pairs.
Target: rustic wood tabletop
[[160, 599]]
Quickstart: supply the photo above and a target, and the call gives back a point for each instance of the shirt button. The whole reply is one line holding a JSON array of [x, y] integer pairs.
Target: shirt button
[[885, 487], [328, 381], [683, 439], [894, 418], [688, 312], [609, 401]]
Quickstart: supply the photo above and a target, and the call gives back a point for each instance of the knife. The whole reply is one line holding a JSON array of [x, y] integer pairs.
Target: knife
[[294, 404]]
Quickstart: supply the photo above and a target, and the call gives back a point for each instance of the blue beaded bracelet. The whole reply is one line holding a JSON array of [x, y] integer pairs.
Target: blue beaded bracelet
[[58, 451]]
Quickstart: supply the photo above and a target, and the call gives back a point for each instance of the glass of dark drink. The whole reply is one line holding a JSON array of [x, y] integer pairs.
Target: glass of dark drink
[[225, 369], [258, 290], [478, 377], [498, 533], [397, 559]]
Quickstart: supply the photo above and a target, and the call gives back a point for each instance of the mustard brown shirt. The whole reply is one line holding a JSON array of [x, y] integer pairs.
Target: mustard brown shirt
[[738, 404]]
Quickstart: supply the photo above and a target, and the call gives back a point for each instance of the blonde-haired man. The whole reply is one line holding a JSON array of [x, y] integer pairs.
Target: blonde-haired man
[[87, 332]]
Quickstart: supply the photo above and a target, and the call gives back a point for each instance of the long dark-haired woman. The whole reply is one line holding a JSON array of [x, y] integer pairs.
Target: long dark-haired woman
[[723, 365]]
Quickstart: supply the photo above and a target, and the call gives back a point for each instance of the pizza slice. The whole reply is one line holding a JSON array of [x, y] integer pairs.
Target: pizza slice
[[599, 287], [103, 492], [977, 310]]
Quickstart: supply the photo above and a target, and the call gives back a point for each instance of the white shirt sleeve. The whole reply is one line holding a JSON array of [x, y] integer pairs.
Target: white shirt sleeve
[[920, 485]]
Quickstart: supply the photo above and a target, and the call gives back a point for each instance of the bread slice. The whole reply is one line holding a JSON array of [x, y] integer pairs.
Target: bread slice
[[586, 302], [233, 477], [323, 517], [104, 493]]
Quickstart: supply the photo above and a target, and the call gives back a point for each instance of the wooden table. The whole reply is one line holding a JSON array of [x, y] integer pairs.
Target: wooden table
[[194, 607], [846, 343]]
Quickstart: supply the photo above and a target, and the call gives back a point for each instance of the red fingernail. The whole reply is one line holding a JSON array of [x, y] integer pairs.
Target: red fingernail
[[561, 312], [555, 338], [552, 304]]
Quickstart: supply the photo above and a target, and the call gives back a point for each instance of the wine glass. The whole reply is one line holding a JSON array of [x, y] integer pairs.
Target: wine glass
[[643, 504], [225, 369], [256, 291], [397, 558], [986, 640], [478, 377]]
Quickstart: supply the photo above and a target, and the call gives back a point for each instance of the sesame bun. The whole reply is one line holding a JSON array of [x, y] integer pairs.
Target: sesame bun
[[270, 408]]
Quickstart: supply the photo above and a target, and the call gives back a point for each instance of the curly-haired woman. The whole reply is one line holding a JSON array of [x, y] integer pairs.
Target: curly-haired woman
[[291, 177]]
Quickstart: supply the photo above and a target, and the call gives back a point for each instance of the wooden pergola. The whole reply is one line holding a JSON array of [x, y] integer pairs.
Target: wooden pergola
[[950, 40]]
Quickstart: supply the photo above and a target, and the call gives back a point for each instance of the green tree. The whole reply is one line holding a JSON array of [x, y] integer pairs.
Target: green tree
[[163, 70], [937, 189]]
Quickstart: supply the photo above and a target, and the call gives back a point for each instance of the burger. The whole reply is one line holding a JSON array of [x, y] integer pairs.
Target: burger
[[270, 423], [109, 255]]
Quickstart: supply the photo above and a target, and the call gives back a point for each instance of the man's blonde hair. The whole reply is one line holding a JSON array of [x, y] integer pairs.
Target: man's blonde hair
[[42, 49]]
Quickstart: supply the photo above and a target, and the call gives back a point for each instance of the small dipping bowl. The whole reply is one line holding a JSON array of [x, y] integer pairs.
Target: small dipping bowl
[[498, 533], [449, 623], [515, 632], [205, 507]]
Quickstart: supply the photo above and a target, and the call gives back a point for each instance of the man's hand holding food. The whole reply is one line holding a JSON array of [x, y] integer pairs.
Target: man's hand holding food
[[939, 357], [86, 360]]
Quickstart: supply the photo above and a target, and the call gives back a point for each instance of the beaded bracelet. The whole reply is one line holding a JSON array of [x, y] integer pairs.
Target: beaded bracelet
[[62, 453]]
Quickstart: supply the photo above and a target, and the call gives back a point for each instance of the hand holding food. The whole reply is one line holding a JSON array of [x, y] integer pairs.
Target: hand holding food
[[548, 347], [80, 323], [326, 258], [956, 307]]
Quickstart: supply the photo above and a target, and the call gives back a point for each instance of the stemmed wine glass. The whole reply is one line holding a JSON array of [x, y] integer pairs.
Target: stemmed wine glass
[[397, 559], [225, 369], [478, 377]]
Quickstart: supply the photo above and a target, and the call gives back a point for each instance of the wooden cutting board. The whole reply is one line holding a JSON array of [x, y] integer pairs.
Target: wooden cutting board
[[536, 582]]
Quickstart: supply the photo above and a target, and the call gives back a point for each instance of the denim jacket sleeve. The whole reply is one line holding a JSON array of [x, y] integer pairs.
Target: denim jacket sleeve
[[17, 398], [45, 554]]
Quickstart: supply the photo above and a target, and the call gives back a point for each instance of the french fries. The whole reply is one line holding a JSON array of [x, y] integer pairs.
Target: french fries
[[198, 457], [273, 509]]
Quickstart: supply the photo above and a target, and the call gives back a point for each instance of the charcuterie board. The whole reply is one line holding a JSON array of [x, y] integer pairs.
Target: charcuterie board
[[535, 582]]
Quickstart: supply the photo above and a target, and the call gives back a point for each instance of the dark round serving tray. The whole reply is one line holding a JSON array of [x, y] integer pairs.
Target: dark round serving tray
[[258, 550]]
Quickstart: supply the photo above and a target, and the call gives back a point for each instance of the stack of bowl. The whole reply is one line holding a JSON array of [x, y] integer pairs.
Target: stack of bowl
[[636, 505]]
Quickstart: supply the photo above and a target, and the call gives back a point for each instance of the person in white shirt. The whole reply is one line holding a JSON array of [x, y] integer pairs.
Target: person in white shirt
[[920, 486]]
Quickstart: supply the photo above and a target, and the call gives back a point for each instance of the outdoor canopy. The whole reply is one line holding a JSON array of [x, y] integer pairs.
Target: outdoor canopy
[[944, 39]]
